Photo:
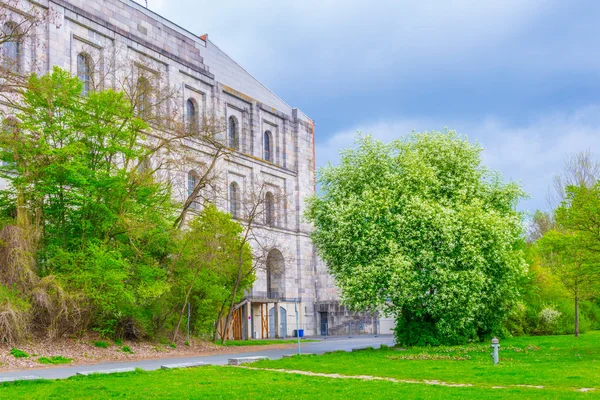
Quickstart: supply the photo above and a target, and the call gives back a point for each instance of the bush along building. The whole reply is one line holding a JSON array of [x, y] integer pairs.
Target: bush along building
[[176, 78]]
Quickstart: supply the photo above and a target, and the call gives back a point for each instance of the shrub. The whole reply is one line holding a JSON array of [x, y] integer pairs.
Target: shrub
[[591, 311], [548, 319], [59, 311], [173, 345], [118, 342], [102, 344], [15, 316], [18, 353], [416, 333], [516, 321], [54, 360], [127, 349]]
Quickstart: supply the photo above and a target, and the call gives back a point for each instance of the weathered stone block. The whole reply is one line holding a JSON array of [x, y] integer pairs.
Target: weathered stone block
[[246, 360]]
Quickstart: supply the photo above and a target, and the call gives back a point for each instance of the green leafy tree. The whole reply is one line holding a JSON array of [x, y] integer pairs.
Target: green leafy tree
[[572, 250], [419, 229], [580, 213], [99, 224], [576, 267], [561, 255], [541, 223], [206, 267]]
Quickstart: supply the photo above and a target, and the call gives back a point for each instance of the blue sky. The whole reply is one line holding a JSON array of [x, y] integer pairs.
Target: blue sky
[[522, 78]]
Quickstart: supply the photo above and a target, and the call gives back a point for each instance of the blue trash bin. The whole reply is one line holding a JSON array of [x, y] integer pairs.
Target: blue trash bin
[[301, 332]]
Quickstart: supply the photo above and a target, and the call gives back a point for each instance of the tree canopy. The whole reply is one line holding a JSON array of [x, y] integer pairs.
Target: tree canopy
[[572, 249], [92, 233], [419, 229]]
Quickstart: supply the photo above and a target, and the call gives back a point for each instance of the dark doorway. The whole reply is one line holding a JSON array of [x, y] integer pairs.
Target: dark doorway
[[324, 324]]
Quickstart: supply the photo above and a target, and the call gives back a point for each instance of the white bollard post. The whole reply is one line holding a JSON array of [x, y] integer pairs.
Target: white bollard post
[[495, 347]]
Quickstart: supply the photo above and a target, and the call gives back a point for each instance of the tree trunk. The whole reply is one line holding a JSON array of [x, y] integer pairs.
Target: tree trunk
[[187, 299], [219, 318], [230, 312], [576, 316]]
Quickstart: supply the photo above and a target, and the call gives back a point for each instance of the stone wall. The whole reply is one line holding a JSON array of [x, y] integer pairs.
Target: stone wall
[[334, 319]]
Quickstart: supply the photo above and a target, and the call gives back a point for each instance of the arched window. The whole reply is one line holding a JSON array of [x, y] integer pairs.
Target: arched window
[[275, 274], [191, 115], [193, 180], [84, 71], [143, 98], [233, 139], [11, 48], [234, 200], [270, 209], [268, 146]]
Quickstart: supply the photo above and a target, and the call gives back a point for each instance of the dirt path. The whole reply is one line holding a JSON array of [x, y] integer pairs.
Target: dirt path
[[379, 378], [360, 377]]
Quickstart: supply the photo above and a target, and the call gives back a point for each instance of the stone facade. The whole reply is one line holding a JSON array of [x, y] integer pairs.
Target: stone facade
[[109, 29]]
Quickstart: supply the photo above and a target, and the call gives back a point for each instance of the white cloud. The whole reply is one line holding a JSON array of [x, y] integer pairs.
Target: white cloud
[[532, 153], [344, 38], [485, 57]]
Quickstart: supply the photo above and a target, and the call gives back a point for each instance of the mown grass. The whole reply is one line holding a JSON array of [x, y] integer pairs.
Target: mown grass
[[236, 383], [262, 342], [559, 362]]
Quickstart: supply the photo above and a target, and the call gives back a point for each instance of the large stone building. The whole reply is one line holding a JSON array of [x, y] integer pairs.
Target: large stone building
[[272, 143]]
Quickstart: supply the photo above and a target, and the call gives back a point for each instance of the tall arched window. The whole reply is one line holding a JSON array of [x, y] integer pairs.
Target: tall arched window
[[143, 98], [234, 200], [233, 139], [268, 146], [84, 71], [193, 180], [11, 48], [270, 209], [275, 274], [191, 115]]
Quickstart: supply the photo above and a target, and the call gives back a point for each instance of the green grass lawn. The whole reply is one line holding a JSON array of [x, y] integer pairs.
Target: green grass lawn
[[263, 342], [559, 362], [235, 383], [562, 364]]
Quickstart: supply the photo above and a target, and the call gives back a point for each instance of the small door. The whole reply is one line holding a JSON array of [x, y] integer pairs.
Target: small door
[[324, 324], [282, 322]]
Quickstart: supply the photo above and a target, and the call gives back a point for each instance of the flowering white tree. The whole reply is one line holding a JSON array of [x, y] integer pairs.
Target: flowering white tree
[[419, 229]]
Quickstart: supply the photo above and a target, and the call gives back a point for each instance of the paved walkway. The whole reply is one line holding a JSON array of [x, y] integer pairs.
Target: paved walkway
[[330, 344]]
